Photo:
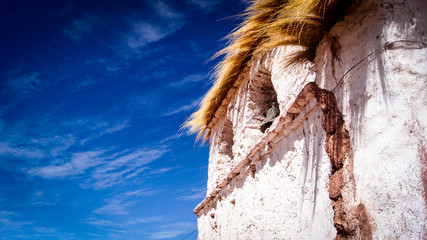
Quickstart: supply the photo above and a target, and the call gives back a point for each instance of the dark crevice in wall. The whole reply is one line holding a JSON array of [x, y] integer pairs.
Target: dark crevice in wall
[[261, 97], [225, 147], [350, 222]]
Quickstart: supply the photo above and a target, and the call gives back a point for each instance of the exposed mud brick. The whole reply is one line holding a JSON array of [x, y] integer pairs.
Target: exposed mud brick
[[346, 222], [335, 185], [341, 220], [337, 147], [326, 100], [422, 154], [332, 149], [351, 223], [363, 221], [332, 120]]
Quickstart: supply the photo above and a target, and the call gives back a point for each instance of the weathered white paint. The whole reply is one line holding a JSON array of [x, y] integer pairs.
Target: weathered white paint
[[383, 99]]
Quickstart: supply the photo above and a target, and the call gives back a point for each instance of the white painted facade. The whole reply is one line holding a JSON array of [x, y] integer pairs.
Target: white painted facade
[[276, 185]]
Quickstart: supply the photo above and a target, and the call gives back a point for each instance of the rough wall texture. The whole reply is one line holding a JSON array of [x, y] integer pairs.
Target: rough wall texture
[[382, 96], [346, 158]]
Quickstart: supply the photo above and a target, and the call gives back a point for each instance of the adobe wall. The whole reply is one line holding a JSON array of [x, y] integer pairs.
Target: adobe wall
[[381, 50], [347, 156]]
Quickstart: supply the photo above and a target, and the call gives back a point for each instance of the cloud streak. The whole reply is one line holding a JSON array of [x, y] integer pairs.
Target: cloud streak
[[121, 224], [197, 194], [81, 26], [8, 221], [123, 168], [84, 84], [107, 168], [143, 32], [25, 84], [19, 152], [114, 207], [48, 137], [46, 144], [190, 79], [183, 108], [207, 5], [173, 230], [77, 165], [102, 128]]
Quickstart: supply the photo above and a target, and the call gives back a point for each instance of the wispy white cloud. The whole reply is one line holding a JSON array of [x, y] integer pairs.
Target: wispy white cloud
[[40, 198], [110, 65], [195, 194], [121, 224], [26, 152], [164, 11], [8, 221], [6, 213], [78, 164], [64, 11], [170, 138], [25, 84], [165, 22], [102, 181], [116, 128], [144, 33], [42, 149], [85, 83], [138, 193], [173, 230], [81, 26], [50, 141], [166, 234], [114, 207], [161, 170], [48, 137], [120, 204], [96, 61], [104, 128], [183, 108], [125, 167], [38, 193], [94, 127], [56, 145], [207, 5], [134, 158], [45, 230], [190, 79], [108, 168]]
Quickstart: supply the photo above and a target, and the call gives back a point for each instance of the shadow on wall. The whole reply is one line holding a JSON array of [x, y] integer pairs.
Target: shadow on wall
[[261, 97]]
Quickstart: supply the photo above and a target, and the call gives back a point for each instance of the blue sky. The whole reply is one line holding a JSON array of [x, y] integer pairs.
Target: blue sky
[[92, 97]]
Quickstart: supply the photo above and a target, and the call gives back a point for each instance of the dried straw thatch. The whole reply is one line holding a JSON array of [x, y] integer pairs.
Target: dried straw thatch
[[267, 24]]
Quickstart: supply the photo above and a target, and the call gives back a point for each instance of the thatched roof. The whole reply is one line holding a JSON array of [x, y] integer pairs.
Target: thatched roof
[[268, 24]]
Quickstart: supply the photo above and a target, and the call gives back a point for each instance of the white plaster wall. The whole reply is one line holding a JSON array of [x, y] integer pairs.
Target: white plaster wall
[[383, 100], [287, 198]]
